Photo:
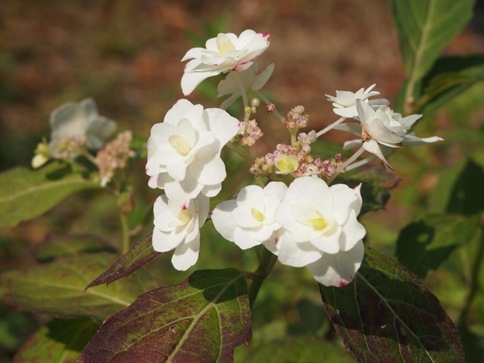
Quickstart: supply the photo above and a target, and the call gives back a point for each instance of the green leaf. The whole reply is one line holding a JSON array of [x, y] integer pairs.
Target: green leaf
[[60, 244], [387, 315], [59, 341], [200, 320], [298, 349], [59, 288], [422, 246], [448, 78], [25, 194], [376, 185], [138, 255], [326, 149], [425, 28], [459, 190]]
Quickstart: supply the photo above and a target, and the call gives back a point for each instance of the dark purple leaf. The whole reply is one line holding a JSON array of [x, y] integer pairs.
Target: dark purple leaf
[[200, 320], [387, 315], [138, 256]]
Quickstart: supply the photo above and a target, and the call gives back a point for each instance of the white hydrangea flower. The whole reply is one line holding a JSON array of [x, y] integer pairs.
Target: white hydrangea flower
[[383, 127], [345, 101], [320, 230], [247, 80], [249, 220], [184, 150], [177, 226], [226, 52], [78, 123]]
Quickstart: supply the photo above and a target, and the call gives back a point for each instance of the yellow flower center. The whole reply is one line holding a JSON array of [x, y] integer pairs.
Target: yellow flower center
[[184, 216], [224, 44], [179, 144], [318, 223], [286, 164], [258, 216]]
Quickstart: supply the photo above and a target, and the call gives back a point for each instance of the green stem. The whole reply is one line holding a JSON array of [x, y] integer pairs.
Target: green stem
[[265, 267], [123, 218], [243, 92], [268, 102], [474, 288]]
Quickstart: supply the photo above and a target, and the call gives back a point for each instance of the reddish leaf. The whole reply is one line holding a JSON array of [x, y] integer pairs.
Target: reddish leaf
[[388, 315], [200, 320], [138, 256]]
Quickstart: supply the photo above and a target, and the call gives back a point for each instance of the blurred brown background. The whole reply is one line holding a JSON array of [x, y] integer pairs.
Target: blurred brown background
[[126, 54]]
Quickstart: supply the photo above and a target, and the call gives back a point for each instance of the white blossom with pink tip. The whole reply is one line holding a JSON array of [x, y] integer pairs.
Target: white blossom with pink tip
[[249, 220], [184, 151], [345, 101], [177, 226], [320, 230], [227, 52], [381, 129]]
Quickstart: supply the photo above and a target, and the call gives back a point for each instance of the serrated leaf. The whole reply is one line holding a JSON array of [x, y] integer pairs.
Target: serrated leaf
[[25, 194], [58, 288], [425, 27], [58, 244], [298, 349], [387, 315], [138, 255], [449, 77], [200, 320], [422, 246], [60, 341]]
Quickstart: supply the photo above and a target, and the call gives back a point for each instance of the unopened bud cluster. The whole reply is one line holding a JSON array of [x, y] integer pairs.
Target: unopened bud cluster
[[296, 118], [69, 148], [249, 133], [114, 155]]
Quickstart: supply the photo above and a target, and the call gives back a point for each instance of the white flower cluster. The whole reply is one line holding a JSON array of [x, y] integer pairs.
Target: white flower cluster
[[184, 160], [307, 223], [378, 126], [75, 127]]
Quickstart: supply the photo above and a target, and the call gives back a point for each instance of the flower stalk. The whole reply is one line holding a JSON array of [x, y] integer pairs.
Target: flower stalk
[[266, 265]]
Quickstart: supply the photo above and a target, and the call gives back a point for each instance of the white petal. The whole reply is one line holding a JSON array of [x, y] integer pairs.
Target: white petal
[[278, 189], [177, 112], [353, 231], [98, 131], [373, 147], [328, 243], [271, 245], [353, 127], [186, 189], [338, 269], [245, 239], [163, 242], [230, 100], [346, 199], [211, 190], [350, 144], [223, 126], [296, 254], [193, 53], [186, 255], [311, 189], [411, 139], [262, 78], [223, 221], [190, 80]]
